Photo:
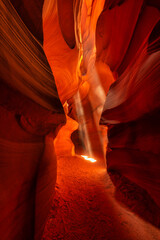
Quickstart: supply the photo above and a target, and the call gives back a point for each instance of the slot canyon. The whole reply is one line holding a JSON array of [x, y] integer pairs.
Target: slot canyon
[[80, 120]]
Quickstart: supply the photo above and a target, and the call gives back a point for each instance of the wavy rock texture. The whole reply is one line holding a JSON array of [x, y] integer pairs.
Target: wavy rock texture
[[30, 110], [132, 107]]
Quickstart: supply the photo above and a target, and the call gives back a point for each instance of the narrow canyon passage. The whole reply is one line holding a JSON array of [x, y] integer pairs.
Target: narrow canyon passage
[[80, 77], [84, 206]]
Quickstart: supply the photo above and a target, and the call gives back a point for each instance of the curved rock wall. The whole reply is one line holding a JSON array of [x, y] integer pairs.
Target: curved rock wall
[[30, 116]]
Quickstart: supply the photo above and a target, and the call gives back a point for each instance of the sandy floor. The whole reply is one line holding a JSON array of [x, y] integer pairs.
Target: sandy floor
[[84, 207]]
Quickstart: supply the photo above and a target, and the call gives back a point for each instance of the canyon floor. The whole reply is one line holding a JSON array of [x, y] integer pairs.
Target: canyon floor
[[84, 205]]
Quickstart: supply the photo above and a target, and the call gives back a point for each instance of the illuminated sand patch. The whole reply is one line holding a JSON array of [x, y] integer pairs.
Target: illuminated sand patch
[[89, 159]]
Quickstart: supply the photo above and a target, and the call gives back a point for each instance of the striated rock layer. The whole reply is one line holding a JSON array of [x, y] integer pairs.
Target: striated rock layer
[[30, 115], [132, 108]]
